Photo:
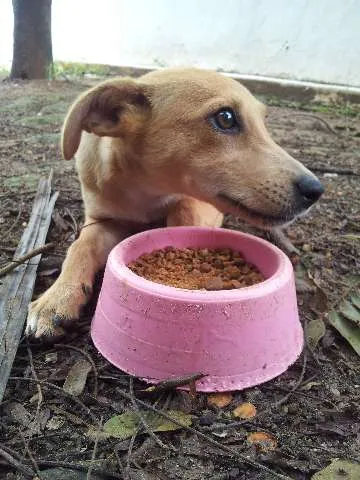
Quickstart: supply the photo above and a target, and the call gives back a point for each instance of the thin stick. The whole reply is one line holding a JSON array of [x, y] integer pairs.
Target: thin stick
[[175, 382], [77, 466], [75, 224], [128, 458], [121, 466], [93, 455], [15, 222], [8, 249], [33, 253], [90, 360], [16, 464], [142, 419], [316, 117], [58, 389], [339, 170], [32, 459], [34, 374], [238, 456]]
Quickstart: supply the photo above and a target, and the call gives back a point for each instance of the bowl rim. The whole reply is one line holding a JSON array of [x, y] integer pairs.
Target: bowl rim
[[283, 271]]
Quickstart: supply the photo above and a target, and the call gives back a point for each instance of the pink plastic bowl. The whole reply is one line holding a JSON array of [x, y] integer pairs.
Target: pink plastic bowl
[[238, 338]]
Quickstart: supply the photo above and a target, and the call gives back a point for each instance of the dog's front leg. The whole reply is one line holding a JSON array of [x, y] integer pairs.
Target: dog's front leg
[[191, 212], [282, 241], [62, 302]]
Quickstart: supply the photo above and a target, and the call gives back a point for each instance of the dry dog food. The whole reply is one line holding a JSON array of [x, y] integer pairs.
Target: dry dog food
[[197, 268]]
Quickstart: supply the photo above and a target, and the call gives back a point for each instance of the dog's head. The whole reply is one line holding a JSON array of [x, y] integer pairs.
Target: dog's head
[[197, 133]]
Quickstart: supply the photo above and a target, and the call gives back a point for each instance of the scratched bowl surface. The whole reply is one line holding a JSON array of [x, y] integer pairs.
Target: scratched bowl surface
[[237, 338]]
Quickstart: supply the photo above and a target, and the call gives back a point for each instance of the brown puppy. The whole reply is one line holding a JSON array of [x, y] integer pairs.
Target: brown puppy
[[181, 145]]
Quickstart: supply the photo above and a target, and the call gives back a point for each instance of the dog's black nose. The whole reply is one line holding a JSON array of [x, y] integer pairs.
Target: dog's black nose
[[309, 188]]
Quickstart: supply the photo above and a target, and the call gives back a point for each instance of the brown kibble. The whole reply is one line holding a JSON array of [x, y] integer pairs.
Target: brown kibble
[[245, 410], [232, 272], [239, 262], [219, 400], [196, 269], [218, 263], [227, 285], [263, 441], [214, 283], [205, 267]]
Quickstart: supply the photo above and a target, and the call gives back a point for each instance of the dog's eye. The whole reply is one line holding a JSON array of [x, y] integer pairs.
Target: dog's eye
[[225, 120]]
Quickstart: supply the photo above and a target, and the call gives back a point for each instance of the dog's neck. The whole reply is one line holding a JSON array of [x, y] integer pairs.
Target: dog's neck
[[132, 204]]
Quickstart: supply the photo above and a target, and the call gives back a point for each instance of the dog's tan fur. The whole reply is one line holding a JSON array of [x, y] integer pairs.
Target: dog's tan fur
[[146, 151]]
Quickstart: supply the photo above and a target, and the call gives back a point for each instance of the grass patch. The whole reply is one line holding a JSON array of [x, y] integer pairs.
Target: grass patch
[[76, 69], [55, 119], [28, 180], [44, 138], [344, 110]]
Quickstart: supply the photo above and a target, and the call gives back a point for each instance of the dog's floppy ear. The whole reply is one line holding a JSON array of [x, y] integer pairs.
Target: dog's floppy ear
[[103, 110]]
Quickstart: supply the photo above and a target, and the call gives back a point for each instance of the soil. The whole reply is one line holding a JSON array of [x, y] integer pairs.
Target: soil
[[312, 409], [197, 268]]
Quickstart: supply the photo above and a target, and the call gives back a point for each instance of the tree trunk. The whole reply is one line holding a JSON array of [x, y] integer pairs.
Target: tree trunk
[[32, 57]]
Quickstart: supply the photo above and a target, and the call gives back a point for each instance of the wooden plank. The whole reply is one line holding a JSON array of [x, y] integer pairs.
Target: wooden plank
[[17, 289]]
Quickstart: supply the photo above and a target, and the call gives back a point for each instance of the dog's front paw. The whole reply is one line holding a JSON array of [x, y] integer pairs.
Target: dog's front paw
[[55, 309]]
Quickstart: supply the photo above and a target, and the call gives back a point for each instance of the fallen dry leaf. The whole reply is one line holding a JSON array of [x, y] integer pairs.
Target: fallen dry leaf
[[220, 400], [76, 378], [245, 410], [347, 329], [314, 332], [308, 386], [125, 425], [263, 441], [339, 469]]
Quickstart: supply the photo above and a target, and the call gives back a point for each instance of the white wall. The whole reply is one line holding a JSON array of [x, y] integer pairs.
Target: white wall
[[301, 39]]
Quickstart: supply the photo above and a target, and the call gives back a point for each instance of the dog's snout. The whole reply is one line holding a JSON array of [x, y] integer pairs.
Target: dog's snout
[[309, 188]]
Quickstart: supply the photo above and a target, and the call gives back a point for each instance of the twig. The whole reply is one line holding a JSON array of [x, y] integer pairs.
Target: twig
[[316, 117], [93, 455], [33, 253], [32, 459], [297, 384], [238, 456], [175, 382], [58, 389], [128, 458], [78, 466], [90, 360], [15, 222], [339, 170], [34, 374], [121, 466], [75, 224], [16, 464], [309, 349], [8, 249], [142, 419]]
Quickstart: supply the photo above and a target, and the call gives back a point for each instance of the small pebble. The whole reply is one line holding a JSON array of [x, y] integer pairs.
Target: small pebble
[[306, 247]]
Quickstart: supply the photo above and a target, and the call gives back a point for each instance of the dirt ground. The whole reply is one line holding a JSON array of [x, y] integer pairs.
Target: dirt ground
[[312, 410]]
